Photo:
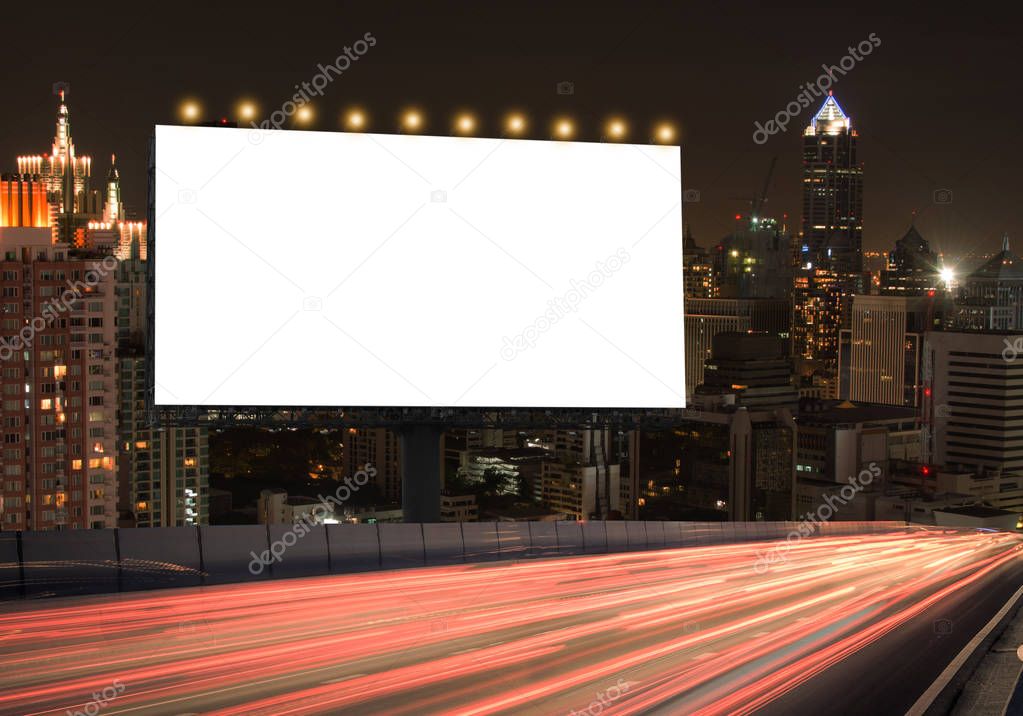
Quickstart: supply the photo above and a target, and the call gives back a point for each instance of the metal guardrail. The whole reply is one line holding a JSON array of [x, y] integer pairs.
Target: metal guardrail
[[70, 562]]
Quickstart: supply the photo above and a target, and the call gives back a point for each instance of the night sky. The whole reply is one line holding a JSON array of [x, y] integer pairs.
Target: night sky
[[936, 105]]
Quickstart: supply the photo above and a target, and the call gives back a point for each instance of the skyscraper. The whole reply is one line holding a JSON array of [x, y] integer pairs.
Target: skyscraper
[[884, 361], [830, 258], [707, 317], [912, 268], [755, 260], [992, 296], [755, 369], [973, 396], [698, 269], [163, 472], [832, 192], [58, 384]]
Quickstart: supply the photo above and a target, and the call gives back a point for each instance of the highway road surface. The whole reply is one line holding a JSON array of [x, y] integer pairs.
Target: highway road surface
[[858, 624]]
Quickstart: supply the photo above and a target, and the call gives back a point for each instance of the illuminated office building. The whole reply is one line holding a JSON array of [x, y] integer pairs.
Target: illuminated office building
[[753, 369], [991, 298], [163, 472], [707, 317], [698, 270], [754, 261], [883, 363], [729, 463], [973, 403], [378, 447], [583, 477], [832, 192], [912, 269], [58, 385]]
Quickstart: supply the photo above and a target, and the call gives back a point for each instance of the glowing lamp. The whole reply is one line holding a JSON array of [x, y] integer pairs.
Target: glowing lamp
[[465, 124], [412, 121], [355, 120], [515, 124], [616, 129], [190, 111], [664, 133], [247, 110]]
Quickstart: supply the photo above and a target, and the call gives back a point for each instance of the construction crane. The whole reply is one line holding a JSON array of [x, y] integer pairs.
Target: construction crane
[[756, 203]]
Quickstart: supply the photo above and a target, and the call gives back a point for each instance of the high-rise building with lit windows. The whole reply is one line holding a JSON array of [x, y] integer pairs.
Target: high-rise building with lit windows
[[991, 298], [912, 269], [754, 261], [163, 472], [832, 192], [883, 363], [973, 404], [378, 447], [707, 317], [698, 269], [58, 384], [830, 256]]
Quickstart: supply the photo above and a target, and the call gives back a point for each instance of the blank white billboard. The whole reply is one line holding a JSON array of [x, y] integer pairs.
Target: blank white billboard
[[340, 269]]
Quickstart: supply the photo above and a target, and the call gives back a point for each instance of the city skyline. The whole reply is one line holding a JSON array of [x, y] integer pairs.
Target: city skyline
[[914, 150]]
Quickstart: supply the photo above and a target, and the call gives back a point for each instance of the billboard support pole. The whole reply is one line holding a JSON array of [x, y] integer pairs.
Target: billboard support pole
[[419, 444]]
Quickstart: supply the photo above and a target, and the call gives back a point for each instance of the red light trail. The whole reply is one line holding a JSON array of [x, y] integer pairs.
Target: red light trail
[[694, 630]]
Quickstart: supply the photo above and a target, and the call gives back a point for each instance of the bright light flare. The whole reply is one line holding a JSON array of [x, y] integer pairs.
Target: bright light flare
[[616, 129], [190, 110], [304, 114], [515, 124], [247, 110], [412, 120], [947, 275], [465, 124], [664, 133], [564, 129], [355, 120]]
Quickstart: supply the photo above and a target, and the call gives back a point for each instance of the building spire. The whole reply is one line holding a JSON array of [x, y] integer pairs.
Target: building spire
[[1005, 242], [113, 210]]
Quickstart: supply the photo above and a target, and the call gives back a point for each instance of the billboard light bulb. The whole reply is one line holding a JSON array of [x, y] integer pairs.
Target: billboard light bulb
[[465, 123], [515, 124], [190, 110]]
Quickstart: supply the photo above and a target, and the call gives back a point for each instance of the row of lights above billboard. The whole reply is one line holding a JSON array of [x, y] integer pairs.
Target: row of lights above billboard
[[465, 124]]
